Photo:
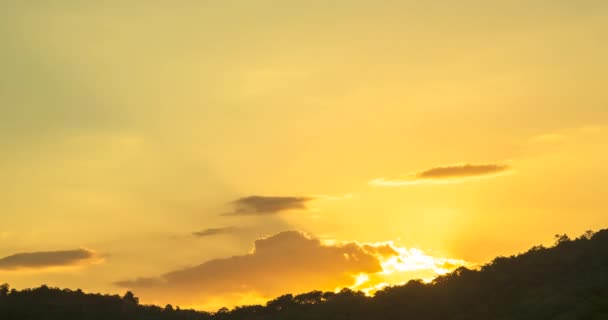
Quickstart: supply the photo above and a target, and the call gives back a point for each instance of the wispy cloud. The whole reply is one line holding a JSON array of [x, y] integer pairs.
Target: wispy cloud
[[564, 135], [47, 259], [444, 174], [264, 205], [548, 138], [215, 231]]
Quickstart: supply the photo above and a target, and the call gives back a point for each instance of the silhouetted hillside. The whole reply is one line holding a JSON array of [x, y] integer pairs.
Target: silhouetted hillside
[[567, 281]]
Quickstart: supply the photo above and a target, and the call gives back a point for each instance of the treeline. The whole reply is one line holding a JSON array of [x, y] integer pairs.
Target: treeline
[[566, 281], [65, 304]]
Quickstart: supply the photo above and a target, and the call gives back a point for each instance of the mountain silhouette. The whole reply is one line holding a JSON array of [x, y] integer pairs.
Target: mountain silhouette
[[566, 281]]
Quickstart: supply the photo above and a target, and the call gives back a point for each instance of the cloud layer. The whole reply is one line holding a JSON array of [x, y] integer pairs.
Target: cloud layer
[[263, 205], [287, 262], [445, 174], [287, 259], [47, 259]]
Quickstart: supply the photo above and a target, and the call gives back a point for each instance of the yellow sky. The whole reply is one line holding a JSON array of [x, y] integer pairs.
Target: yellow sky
[[465, 129]]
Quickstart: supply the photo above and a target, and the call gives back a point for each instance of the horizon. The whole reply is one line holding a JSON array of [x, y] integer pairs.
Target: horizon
[[558, 239], [223, 153]]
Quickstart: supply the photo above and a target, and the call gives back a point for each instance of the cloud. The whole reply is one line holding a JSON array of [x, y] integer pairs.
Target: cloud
[[47, 259], [287, 259], [565, 134], [214, 231], [462, 171], [287, 262], [262, 205], [548, 138], [445, 174]]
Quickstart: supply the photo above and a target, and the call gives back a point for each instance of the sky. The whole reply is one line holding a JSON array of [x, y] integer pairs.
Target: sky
[[218, 153]]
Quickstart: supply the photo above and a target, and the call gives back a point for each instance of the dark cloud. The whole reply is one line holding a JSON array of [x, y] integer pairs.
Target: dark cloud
[[444, 174], [261, 205], [214, 231], [285, 262], [384, 250], [47, 259], [460, 171]]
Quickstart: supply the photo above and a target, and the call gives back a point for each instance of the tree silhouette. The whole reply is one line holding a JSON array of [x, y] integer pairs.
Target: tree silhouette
[[4, 289], [130, 298]]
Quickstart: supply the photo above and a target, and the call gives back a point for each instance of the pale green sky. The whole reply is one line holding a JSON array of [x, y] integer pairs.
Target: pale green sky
[[127, 125]]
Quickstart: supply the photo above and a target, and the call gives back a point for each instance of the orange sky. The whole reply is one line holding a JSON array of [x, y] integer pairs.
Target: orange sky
[[231, 151]]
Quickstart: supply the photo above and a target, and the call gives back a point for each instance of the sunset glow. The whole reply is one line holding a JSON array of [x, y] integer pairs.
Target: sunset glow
[[224, 153]]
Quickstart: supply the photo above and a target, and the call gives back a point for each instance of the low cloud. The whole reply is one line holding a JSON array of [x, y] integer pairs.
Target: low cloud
[[445, 174], [263, 205], [215, 231], [287, 262], [47, 259], [280, 263]]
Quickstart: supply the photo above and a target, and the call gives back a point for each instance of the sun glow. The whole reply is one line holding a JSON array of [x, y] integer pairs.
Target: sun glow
[[415, 259], [400, 265], [361, 279]]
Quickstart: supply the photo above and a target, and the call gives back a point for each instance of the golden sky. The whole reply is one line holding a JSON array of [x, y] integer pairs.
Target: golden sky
[[210, 153]]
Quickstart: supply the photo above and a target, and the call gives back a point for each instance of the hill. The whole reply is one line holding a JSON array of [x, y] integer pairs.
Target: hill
[[566, 281]]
